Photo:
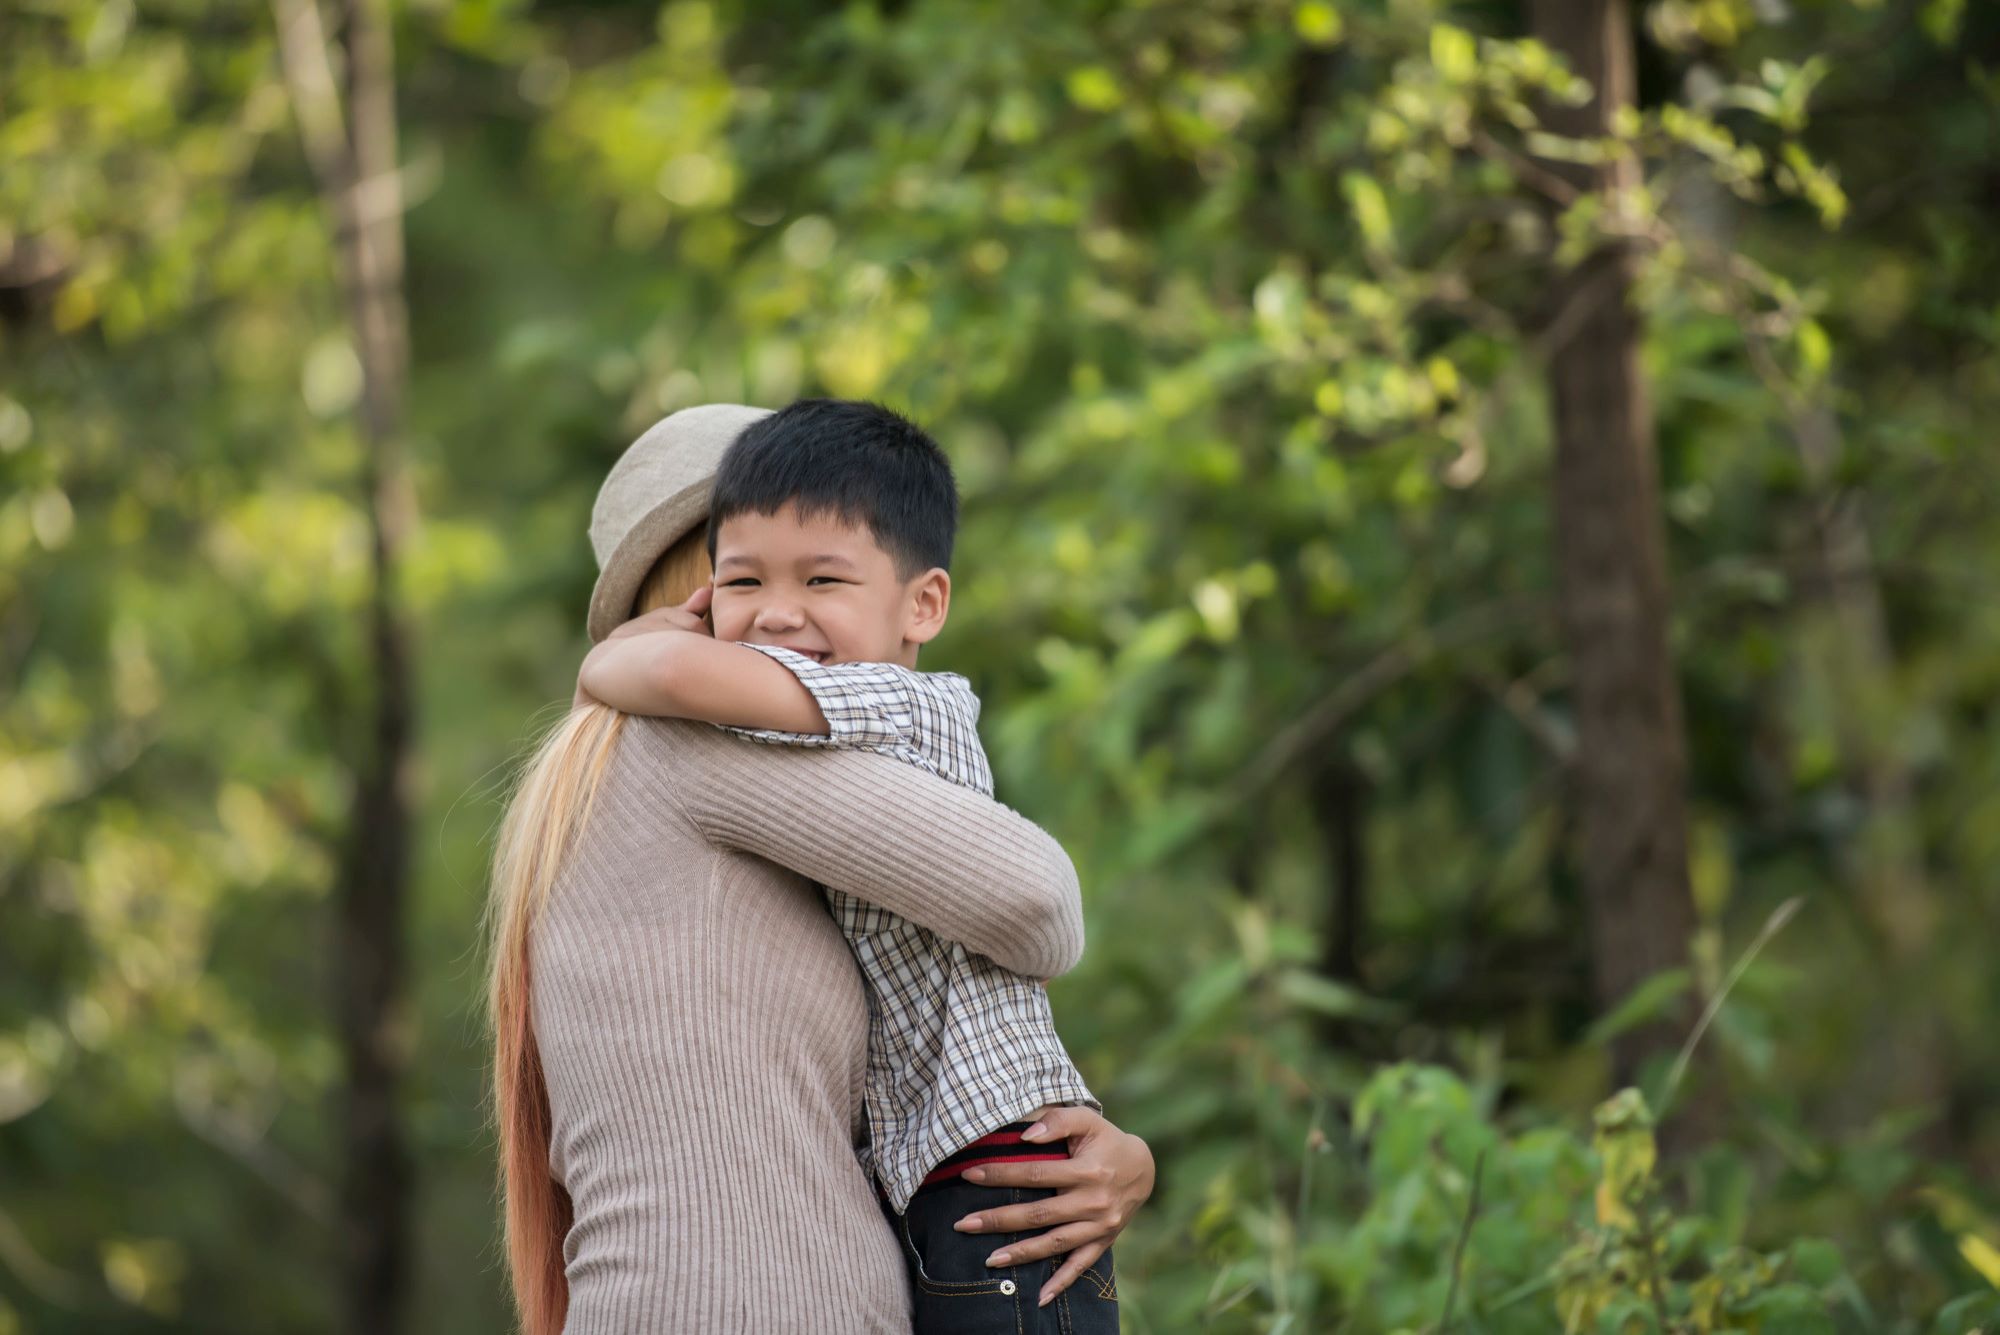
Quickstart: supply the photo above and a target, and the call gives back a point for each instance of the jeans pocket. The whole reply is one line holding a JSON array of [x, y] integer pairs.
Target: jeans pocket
[[950, 1269], [1090, 1306], [952, 1289]]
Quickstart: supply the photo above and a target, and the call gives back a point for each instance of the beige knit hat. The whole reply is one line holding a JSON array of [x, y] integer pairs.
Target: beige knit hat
[[656, 493]]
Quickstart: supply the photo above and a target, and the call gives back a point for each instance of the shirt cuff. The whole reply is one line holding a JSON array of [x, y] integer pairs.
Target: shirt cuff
[[823, 692]]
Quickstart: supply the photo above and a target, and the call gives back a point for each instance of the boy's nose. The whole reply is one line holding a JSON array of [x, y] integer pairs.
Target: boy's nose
[[779, 617]]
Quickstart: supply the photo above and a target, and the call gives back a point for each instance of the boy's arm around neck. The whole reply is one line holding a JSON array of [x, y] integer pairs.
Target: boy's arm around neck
[[684, 674]]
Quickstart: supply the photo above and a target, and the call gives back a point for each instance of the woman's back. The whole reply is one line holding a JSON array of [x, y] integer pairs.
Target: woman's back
[[702, 1029]]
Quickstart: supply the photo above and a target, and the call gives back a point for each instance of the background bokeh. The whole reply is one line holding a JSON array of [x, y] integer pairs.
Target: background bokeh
[[1238, 320]]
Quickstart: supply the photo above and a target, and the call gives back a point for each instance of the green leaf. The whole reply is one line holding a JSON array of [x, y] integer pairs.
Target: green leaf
[[1970, 1314], [1789, 1309], [1320, 994], [1649, 1001], [1318, 23], [1454, 53], [1094, 88], [1817, 1261], [1371, 210]]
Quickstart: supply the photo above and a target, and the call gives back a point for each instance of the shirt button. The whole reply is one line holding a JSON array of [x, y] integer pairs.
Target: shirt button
[[1007, 1287]]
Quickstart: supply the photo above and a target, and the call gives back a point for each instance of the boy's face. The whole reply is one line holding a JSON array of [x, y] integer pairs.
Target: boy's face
[[822, 587]]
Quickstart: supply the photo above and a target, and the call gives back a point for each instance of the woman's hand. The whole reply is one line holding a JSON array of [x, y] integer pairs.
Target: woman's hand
[[1108, 1175]]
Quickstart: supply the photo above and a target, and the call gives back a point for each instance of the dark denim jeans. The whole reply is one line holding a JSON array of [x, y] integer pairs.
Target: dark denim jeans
[[954, 1292]]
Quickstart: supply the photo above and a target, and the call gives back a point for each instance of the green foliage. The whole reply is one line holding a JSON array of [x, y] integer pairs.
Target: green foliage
[[1451, 1219], [1231, 316], [1642, 1268]]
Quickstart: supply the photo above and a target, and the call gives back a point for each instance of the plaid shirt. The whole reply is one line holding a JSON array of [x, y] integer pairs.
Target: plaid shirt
[[957, 1046]]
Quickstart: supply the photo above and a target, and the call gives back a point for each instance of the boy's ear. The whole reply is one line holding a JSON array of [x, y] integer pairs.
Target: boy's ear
[[928, 602]]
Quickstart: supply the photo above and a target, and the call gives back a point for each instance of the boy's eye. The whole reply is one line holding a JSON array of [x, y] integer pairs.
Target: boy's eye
[[824, 579], [742, 582]]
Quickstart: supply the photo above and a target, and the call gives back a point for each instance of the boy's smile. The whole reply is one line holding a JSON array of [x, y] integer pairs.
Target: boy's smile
[[821, 587]]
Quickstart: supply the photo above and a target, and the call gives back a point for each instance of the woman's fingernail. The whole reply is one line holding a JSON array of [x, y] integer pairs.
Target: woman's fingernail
[[1045, 1299], [998, 1258], [975, 1175], [970, 1224], [1035, 1132]]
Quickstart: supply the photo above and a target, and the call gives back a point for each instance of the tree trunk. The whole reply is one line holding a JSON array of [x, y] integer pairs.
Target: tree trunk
[[374, 1026], [1340, 799], [349, 131], [1631, 762], [1339, 796]]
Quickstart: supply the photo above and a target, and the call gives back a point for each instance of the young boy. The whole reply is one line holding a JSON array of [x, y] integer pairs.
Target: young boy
[[831, 530]]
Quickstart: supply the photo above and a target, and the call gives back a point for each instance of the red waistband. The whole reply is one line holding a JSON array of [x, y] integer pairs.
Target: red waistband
[[1002, 1146]]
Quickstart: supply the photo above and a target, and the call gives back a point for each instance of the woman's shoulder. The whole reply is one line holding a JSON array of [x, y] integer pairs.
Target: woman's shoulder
[[688, 759], [676, 744], [664, 735]]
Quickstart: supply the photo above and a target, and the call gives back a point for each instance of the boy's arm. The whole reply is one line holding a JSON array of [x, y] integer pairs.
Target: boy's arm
[[681, 673], [930, 720]]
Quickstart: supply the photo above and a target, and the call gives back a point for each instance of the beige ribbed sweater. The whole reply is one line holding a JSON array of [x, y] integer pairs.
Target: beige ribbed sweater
[[704, 1031]]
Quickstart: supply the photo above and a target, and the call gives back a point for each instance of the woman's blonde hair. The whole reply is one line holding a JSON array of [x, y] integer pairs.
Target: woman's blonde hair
[[550, 805]]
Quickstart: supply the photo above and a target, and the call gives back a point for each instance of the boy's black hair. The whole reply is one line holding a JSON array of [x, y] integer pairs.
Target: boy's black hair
[[859, 462]]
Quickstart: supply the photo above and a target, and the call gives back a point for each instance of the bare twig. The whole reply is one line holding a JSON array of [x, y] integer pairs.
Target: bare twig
[[302, 48], [1523, 706], [39, 1276], [1772, 926], [277, 1170], [1529, 172], [1385, 670]]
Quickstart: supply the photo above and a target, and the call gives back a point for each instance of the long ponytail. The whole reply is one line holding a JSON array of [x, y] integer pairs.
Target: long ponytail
[[550, 807]]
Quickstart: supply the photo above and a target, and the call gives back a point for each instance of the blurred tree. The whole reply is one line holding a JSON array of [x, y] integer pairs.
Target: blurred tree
[[1630, 757], [349, 136]]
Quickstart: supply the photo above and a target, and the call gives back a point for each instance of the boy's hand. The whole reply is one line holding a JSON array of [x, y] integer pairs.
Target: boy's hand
[[1108, 1175], [668, 664], [690, 616]]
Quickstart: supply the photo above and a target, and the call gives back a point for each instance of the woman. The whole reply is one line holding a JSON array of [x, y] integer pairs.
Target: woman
[[680, 1029]]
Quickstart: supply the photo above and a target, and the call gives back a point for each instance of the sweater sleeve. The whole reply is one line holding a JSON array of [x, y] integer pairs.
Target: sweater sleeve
[[939, 854]]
